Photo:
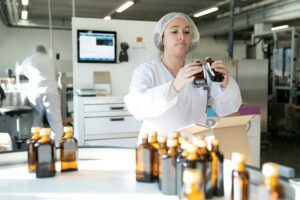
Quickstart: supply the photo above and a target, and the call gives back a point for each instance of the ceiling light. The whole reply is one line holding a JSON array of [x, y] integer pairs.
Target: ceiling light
[[279, 27], [125, 6], [107, 18], [24, 14], [205, 12], [25, 2]]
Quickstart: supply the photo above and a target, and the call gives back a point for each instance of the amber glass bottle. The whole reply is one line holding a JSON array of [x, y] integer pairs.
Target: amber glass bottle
[[180, 160], [214, 75], [199, 79], [31, 151], [168, 182], [191, 190], [271, 189], [217, 175], [161, 151], [153, 141], [240, 178], [205, 166], [144, 161], [45, 156], [181, 139], [68, 151]]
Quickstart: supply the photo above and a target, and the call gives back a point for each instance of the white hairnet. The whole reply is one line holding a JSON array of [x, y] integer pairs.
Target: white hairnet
[[165, 20]]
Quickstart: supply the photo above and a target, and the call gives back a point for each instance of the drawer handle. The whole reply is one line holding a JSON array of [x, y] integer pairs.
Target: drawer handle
[[117, 108], [117, 119]]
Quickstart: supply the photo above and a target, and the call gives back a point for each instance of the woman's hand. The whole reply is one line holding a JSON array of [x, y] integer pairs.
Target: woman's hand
[[219, 66], [186, 75]]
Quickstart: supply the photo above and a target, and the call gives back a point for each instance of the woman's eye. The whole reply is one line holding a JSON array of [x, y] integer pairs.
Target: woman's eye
[[187, 32], [174, 31]]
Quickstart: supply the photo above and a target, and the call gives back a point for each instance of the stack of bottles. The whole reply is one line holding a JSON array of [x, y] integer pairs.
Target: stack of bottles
[[167, 160], [41, 152], [192, 171]]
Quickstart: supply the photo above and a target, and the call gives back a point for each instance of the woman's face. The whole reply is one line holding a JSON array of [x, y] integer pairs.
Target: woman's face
[[177, 37]]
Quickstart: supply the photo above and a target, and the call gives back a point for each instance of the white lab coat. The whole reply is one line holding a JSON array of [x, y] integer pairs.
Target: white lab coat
[[148, 100], [42, 92]]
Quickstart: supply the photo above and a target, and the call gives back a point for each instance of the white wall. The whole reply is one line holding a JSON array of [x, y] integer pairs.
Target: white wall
[[120, 73], [17, 43]]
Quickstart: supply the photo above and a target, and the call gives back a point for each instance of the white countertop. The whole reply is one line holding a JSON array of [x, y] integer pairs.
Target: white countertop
[[103, 174]]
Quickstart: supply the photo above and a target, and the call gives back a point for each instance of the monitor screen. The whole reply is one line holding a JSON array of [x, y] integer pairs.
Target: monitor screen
[[97, 46]]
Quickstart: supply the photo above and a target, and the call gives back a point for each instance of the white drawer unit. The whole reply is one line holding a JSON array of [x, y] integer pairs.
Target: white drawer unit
[[104, 121]]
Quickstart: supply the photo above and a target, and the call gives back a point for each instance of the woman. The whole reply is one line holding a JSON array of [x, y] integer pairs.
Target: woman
[[161, 92]]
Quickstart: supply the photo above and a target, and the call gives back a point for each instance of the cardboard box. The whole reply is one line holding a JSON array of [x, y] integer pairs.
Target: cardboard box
[[230, 131]]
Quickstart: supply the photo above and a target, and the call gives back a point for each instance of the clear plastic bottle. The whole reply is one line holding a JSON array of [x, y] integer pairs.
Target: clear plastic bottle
[[45, 155], [240, 178], [69, 151], [31, 150], [144, 161]]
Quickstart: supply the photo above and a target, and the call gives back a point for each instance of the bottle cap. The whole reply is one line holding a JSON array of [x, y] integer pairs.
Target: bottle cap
[[199, 137], [191, 148], [35, 129], [270, 169], [191, 176], [238, 157], [162, 139], [171, 143], [184, 144], [182, 139], [201, 143], [45, 131], [145, 135], [215, 142], [68, 129], [176, 134], [153, 133]]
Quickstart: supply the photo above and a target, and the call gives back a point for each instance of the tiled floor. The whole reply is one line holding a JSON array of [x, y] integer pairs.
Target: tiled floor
[[281, 150]]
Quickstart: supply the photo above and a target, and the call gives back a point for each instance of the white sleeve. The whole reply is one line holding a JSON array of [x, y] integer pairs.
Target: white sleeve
[[145, 100], [225, 101]]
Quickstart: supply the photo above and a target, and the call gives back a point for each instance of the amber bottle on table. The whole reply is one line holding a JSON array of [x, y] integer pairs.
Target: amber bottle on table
[[31, 150], [180, 160], [69, 151], [168, 182], [144, 161], [217, 175], [271, 189], [205, 165], [162, 141], [45, 155], [240, 178], [213, 74], [191, 190], [154, 143]]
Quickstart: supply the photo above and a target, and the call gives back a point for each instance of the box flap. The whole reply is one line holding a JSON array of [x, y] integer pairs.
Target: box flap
[[232, 121], [193, 128], [234, 139]]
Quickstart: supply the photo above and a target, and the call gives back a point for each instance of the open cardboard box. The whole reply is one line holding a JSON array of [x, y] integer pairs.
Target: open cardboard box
[[230, 131]]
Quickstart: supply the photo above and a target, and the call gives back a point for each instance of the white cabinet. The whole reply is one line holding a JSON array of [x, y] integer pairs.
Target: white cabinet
[[104, 121]]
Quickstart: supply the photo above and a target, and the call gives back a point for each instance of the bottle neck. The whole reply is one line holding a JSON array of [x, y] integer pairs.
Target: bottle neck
[[44, 138], [153, 139], [172, 151], [162, 145], [68, 134], [191, 188], [35, 136], [271, 182], [202, 150], [240, 167], [192, 155], [185, 153], [215, 148], [144, 140]]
